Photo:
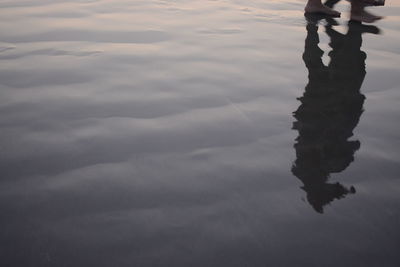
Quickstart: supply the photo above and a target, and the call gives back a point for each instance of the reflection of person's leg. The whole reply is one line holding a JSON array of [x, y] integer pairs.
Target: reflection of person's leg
[[331, 3], [359, 14], [312, 57], [316, 6], [374, 2]]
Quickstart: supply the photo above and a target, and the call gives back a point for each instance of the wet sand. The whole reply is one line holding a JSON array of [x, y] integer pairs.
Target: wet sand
[[197, 133]]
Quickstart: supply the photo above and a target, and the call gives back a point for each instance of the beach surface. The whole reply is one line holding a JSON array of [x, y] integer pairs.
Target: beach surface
[[198, 133]]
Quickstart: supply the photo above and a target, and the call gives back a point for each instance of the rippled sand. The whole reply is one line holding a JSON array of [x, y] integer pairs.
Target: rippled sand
[[197, 133]]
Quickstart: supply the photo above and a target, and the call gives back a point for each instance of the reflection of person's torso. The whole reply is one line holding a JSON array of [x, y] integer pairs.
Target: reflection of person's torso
[[330, 110]]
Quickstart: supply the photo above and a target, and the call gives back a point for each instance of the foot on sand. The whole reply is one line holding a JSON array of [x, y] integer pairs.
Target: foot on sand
[[321, 9], [365, 16]]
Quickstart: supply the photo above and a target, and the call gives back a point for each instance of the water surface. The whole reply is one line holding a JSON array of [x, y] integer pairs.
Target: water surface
[[197, 133]]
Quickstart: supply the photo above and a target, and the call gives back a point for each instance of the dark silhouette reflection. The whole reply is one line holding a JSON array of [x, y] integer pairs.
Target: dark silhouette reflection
[[330, 109]]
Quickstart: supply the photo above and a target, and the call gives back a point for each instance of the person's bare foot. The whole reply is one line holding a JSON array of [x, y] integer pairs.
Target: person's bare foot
[[321, 9], [364, 16]]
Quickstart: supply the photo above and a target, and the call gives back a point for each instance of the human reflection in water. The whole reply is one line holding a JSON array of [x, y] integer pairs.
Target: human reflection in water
[[330, 109]]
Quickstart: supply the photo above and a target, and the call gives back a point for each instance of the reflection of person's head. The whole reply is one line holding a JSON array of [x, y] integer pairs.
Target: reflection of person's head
[[330, 109]]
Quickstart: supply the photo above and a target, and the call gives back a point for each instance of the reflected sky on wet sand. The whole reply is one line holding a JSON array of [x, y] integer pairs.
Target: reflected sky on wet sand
[[197, 133]]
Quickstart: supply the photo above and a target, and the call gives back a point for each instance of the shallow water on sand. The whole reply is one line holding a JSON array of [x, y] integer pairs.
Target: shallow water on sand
[[197, 133]]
